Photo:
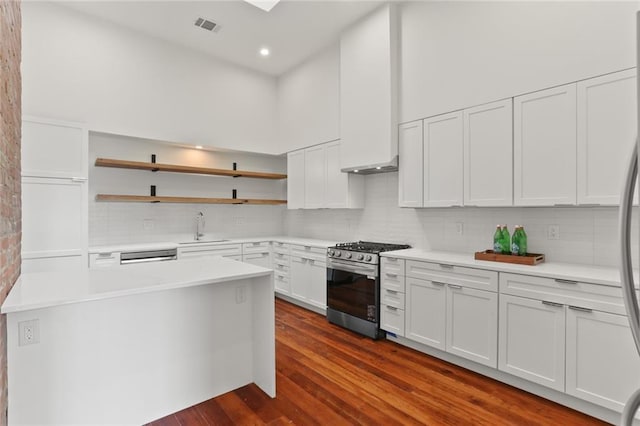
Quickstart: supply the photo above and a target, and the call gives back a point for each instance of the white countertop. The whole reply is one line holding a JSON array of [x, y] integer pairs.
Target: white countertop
[[47, 289], [180, 241], [569, 271]]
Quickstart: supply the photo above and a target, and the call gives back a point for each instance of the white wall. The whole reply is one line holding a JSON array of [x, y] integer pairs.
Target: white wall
[[460, 54], [309, 101], [79, 68], [587, 235], [123, 223]]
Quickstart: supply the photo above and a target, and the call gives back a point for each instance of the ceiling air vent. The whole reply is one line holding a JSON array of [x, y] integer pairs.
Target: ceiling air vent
[[207, 24]]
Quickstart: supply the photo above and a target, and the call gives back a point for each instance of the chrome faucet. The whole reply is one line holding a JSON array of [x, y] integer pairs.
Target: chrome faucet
[[199, 226]]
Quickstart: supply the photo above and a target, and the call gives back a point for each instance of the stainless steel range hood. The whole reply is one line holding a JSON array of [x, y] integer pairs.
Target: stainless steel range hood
[[391, 166]]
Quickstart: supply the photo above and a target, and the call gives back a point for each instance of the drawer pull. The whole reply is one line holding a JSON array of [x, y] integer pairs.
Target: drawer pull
[[445, 266], [561, 281], [455, 287], [105, 254], [391, 291], [391, 259], [392, 308], [438, 283], [580, 308], [554, 304], [391, 275]]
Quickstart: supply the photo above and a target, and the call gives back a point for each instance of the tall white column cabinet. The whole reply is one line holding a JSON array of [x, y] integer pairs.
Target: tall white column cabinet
[[544, 147], [54, 195], [410, 164], [315, 177], [295, 179]]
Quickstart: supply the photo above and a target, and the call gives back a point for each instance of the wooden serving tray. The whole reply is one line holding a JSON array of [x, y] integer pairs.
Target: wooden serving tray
[[527, 259]]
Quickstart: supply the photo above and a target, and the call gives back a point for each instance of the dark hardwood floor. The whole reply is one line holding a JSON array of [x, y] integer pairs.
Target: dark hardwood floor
[[330, 376]]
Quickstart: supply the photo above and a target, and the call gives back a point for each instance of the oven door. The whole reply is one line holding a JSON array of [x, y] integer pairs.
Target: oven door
[[353, 288]]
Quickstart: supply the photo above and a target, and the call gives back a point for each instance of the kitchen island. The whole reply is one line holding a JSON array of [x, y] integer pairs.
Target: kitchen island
[[130, 344]]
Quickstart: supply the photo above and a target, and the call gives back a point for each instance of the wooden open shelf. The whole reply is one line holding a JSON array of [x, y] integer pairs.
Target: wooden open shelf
[[175, 168], [195, 200]]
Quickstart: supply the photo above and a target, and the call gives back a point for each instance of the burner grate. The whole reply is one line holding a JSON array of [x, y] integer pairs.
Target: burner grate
[[371, 247]]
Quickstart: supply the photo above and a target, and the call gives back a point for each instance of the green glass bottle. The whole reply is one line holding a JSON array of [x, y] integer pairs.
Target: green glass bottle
[[515, 240], [497, 240], [522, 249], [505, 240]]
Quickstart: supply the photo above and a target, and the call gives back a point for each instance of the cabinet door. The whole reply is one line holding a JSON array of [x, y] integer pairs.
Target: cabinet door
[[53, 149], [602, 362], [425, 312], [488, 154], [410, 166], [54, 220], [472, 324], [606, 134], [545, 147], [442, 160], [317, 273], [532, 340], [299, 278], [295, 180], [314, 177]]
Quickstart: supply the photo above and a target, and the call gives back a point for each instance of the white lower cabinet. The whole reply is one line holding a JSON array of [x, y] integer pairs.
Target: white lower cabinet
[[532, 340], [308, 276], [392, 296], [459, 319], [281, 265], [232, 251], [258, 259], [601, 358]]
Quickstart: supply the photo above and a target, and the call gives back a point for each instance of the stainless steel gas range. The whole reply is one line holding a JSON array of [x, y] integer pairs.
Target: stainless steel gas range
[[353, 285]]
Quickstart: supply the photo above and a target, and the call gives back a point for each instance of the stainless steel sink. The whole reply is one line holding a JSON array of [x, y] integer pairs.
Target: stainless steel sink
[[202, 241]]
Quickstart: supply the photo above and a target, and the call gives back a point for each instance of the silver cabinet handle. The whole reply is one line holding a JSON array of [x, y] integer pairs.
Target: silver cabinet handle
[[626, 271], [445, 266], [438, 283], [580, 308], [390, 274], [455, 287], [554, 304], [561, 281], [391, 308], [391, 291], [564, 205]]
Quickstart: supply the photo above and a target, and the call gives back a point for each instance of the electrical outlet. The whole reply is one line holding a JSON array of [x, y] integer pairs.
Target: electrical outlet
[[241, 294], [460, 228], [29, 332], [553, 232]]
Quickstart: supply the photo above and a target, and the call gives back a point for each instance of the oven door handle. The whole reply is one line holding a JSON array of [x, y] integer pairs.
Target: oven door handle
[[356, 269]]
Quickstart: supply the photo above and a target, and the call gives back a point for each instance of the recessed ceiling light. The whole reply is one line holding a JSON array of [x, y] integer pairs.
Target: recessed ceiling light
[[198, 146], [378, 168], [265, 5], [264, 52], [356, 171]]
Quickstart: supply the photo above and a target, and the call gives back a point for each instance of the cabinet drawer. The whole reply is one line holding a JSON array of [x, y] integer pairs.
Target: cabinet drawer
[[217, 250], [572, 293], [392, 298], [257, 247], [281, 258], [309, 252], [393, 282], [449, 274], [103, 260], [279, 247], [280, 268], [392, 266], [281, 283], [392, 319]]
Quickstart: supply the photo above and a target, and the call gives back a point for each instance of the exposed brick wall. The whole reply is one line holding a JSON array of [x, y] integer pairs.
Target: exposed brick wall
[[10, 208]]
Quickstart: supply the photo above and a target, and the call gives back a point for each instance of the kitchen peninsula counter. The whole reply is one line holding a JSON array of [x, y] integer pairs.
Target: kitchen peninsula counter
[[134, 343]]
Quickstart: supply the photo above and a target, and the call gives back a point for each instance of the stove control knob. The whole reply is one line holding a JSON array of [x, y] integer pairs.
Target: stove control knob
[[331, 253], [368, 258], [347, 255], [337, 253], [360, 256]]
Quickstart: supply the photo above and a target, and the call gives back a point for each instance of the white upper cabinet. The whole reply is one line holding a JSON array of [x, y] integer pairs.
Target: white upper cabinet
[[343, 190], [410, 164], [488, 154], [545, 147], [295, 180], [315, 177], [315, 181], [442, 160], [606, 134], [368, 91]]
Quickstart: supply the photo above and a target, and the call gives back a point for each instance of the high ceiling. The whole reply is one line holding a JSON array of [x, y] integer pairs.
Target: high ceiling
[[293, 30]]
